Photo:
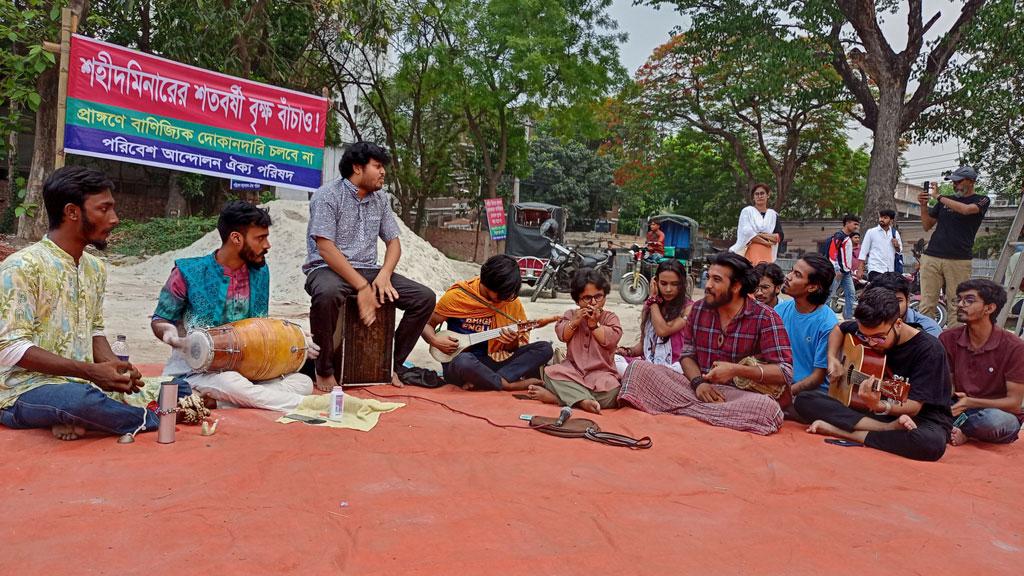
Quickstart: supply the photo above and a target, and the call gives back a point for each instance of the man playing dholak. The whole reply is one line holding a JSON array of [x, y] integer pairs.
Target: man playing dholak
[[919, 427], [55, 361], [230, 284], [727, 327], [508, 362]]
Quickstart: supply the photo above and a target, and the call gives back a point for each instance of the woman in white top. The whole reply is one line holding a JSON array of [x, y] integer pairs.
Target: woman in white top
[[759, 231]]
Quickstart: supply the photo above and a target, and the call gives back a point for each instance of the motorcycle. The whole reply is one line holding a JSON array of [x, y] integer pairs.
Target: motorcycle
[[564, 263], [634, 286]]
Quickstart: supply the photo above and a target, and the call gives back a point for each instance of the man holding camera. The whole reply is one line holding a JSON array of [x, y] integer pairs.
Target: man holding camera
[[956, 219]]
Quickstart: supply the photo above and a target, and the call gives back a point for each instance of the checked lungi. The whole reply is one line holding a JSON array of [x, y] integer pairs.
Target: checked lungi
[[660, 390]]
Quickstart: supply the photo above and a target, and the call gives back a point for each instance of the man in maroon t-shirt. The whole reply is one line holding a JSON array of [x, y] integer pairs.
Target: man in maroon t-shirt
[[987, 364]]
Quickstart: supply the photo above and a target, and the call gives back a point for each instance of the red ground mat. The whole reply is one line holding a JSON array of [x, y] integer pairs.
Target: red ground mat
[[430, 491]]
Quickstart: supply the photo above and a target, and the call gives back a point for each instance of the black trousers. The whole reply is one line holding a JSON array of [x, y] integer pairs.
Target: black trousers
[[926, 442], [328, 292]]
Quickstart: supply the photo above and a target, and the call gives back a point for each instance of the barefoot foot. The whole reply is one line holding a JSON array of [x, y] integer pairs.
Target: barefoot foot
[[906, 422], [519, 385], [589, 406], [823, 428], [67, 431], [541, 394], [958, 438], [396, 381], [325, 383]]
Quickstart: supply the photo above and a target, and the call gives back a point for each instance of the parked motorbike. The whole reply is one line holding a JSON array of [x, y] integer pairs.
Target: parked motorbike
[[634, 286], [564, 263]]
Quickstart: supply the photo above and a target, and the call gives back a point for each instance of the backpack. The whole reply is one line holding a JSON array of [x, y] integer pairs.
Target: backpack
[[830, 249]]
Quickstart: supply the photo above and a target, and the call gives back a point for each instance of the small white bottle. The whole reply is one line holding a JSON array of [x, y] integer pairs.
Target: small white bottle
[[337, 403], [120, 347]]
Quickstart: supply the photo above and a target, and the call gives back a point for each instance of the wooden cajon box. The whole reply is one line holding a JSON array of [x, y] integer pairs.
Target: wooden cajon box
[[365, 353]]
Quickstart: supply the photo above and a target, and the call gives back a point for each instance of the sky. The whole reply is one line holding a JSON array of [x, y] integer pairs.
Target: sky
[[648, 28]]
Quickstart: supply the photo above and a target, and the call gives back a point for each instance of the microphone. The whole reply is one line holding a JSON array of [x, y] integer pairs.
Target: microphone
[[564, 415]]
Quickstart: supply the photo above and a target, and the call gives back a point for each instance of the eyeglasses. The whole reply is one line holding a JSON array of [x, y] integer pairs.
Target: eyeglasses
[[592, 299], [966, 300], [874, 339]]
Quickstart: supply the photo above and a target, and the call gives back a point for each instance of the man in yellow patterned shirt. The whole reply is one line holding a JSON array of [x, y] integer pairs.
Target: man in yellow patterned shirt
[[55, 361]]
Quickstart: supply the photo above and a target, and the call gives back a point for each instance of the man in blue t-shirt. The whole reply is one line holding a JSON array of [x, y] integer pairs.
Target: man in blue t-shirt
[[808, 321]]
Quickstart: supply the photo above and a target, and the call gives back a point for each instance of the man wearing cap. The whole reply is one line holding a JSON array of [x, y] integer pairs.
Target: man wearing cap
[[956, 219]]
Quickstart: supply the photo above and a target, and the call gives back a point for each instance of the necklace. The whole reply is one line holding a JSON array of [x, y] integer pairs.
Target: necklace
[[721, 335]]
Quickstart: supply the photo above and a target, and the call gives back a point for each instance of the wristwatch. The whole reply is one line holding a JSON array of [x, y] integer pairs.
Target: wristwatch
[[888, 407], [696, 382]]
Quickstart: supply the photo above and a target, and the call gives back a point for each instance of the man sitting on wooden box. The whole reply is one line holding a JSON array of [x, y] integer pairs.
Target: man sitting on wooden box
[[491, 301], [346, 216]]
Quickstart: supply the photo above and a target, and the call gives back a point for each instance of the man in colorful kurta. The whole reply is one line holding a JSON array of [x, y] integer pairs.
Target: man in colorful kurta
[[230, 284], [725, 331], [55, 361]]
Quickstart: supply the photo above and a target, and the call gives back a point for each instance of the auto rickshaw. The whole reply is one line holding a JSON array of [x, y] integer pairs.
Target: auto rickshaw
[[680, 244]]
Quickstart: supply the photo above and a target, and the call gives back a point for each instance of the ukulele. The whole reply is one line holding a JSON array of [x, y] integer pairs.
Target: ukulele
[[861, 363], [467, 340]]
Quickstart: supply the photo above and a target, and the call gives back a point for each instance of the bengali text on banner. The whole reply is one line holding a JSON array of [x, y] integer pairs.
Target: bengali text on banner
[[495, 211], [135, 107]]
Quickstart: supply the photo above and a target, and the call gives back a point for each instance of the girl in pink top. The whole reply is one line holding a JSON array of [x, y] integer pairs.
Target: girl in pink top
[[586, 379]]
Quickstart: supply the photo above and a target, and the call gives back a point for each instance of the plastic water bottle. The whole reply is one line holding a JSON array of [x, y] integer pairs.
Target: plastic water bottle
[[120, 347], [337, 403]]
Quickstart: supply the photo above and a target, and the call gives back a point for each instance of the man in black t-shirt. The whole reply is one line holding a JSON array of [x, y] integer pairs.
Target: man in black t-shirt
[[920, 427], [956, 220]]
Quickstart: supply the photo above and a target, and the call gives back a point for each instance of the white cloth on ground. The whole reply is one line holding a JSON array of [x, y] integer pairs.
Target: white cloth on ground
[[231, 389]]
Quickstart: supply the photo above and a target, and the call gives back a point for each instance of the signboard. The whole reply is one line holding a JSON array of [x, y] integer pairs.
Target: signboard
[[496, 218], [241, 185], [134, 107]]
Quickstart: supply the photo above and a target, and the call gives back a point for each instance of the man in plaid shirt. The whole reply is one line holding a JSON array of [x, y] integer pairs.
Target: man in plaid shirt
[[711, 359]]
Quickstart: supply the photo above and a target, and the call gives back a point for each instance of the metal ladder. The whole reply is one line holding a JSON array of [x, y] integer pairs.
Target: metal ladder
[[1011, 282]]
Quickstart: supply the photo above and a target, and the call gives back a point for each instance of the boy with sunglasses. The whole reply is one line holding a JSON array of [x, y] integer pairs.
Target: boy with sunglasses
[[917, 429]]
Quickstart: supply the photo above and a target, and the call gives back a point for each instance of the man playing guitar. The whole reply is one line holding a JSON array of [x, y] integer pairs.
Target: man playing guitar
[[919, 427], [508, 362]]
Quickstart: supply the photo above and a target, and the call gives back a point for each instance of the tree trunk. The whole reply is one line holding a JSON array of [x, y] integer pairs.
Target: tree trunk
[[421, 214], [7, 193], [883, 171], [44, 152], [177, 206]]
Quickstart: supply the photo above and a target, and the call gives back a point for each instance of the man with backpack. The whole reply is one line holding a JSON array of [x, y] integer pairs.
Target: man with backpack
[[840, 253], [881, 248]]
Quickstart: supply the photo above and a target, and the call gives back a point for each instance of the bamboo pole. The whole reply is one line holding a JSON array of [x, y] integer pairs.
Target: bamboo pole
[[67, 23], [326, 92]]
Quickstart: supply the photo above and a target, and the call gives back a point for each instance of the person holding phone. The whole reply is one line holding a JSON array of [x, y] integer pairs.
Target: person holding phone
[[947, 259]]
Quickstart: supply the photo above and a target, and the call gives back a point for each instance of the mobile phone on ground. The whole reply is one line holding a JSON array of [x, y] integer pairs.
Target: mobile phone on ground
[[960, 420], [841, 442], [306, 419]]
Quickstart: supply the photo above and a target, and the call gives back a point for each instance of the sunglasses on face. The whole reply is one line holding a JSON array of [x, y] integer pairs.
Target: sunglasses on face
[[591, 299]]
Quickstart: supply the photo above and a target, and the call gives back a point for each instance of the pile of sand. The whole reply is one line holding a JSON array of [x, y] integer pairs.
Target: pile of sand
[[420, 261]]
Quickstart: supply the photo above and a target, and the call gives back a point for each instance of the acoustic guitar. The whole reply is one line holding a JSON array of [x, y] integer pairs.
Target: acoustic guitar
[[467, 340], [861, 363]]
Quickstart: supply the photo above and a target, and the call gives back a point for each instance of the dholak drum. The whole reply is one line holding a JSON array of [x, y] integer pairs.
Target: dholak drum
[[257, 348]]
